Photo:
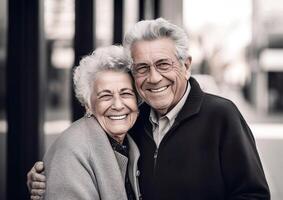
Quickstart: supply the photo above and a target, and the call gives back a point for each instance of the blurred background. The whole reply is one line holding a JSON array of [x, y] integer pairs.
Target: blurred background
[[236, 46]]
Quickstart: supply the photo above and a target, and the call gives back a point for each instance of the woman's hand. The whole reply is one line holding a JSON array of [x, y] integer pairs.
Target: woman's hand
[[36, 181]]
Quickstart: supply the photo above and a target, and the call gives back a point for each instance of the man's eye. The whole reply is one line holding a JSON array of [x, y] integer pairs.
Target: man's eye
[[163, 65], [142, 68]]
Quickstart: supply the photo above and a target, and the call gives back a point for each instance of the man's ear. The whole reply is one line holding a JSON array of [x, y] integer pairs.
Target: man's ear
[[187, 64]]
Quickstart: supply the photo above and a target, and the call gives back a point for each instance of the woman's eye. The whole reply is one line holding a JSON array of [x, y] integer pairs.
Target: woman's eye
[[127, 94], [105, 97]]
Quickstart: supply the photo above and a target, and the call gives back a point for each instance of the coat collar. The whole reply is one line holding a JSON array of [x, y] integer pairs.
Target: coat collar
[[134, 155], [109, 175], [114, 165], [191, 107], [193, 102]]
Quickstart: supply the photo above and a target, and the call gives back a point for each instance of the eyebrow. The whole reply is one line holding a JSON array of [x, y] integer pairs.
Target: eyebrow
[[126, 89], [162, 59], [108, 91], [159, 60], [141, 63], [104, 91]]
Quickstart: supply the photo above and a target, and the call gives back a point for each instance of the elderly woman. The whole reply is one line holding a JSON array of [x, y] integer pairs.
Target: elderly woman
[[95, 158]]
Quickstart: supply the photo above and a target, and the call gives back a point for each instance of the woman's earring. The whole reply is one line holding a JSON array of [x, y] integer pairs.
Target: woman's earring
[[88, 114]]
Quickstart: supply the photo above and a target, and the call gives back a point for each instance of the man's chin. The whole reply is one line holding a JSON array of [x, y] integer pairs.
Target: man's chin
[[161, 109]]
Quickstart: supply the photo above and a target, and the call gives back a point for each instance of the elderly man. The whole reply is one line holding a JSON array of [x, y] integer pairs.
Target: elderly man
[[193, 145]]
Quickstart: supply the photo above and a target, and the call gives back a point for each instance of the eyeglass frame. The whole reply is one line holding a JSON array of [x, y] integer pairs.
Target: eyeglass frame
[[147, 65]]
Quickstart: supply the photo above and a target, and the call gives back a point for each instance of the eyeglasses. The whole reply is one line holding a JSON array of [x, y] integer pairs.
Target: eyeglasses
[[143, 69]]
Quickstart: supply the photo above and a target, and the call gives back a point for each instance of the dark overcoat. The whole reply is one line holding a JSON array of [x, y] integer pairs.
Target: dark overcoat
[[209, 153]]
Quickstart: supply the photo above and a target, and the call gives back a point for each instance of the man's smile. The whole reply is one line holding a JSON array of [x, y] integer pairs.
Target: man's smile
[[157, 90]]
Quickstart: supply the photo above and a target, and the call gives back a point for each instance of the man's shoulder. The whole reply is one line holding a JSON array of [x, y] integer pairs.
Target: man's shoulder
[[219, 105], [215, 100]]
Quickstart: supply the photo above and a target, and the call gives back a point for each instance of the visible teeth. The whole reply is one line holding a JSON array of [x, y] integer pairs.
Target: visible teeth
[[159, 89], [118, 117]]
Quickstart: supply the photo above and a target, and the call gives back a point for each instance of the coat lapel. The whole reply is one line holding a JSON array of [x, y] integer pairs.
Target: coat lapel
[[107, 171], [193, 103], [134, 155], [122, 162]]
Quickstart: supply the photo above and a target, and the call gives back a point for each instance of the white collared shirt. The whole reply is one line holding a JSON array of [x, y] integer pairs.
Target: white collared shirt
[[160, 126]]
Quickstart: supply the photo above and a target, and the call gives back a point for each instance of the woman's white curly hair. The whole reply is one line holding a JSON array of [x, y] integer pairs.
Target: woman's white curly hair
[[102, 59]]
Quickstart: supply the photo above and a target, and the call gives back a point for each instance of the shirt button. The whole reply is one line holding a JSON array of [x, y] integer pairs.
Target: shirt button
[[138, 172]]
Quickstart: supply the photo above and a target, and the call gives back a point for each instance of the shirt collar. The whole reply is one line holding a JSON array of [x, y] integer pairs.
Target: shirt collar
[[172, 114]]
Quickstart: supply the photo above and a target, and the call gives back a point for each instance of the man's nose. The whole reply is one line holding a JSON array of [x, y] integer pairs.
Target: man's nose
[[154, 76]]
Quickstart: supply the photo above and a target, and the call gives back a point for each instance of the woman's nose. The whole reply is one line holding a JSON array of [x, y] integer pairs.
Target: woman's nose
[[118, 103]]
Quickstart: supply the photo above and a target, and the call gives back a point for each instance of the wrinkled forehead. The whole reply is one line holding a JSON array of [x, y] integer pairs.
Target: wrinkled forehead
[[112, 81], [153, 50]]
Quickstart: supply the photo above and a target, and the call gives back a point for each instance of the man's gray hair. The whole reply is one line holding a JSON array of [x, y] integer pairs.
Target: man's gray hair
[[154, 29], [111, 58]]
